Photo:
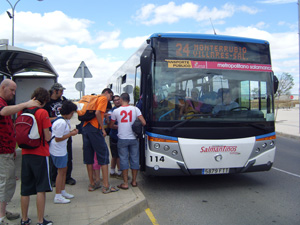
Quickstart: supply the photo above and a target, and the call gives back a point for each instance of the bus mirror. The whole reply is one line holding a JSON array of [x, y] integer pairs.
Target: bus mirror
[[146, 58], [275, 83]]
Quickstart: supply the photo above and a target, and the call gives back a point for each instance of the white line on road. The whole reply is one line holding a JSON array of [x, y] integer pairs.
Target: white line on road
[[293, 174]]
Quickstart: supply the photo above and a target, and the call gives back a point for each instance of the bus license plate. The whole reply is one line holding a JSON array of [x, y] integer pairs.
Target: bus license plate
[[216, 171]]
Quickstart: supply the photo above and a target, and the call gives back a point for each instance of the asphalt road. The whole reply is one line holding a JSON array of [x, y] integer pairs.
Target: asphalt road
[[271, 197]]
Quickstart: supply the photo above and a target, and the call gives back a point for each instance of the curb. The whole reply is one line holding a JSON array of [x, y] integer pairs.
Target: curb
[[125, 212]]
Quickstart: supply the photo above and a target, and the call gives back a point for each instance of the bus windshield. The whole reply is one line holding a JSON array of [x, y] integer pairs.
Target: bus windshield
[[214, 95]]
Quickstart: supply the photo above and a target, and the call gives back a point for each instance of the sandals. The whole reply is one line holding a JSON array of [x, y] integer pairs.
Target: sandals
[[106, 190], [134, 185], [121, 186], [94, 187]]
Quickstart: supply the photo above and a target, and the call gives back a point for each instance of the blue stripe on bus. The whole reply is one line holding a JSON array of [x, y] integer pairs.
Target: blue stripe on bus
[[209, 37], [161, 136], [265, 135]]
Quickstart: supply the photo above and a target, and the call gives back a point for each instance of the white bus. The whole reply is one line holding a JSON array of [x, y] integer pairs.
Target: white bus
[[208, 101]]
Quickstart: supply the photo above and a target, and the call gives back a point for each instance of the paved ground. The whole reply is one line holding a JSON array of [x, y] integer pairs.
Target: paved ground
[[114, 208]]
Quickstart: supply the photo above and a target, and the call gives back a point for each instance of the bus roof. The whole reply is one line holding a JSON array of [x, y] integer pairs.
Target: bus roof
[[208, 37]]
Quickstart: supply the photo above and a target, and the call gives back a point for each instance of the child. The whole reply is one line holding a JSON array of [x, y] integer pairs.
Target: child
[[58, 149]]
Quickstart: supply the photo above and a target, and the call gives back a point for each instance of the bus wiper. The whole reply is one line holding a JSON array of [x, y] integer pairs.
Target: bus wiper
[[257, 126], [183, 122]]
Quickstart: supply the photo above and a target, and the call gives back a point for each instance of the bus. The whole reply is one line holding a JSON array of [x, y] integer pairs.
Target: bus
[[208, 101]]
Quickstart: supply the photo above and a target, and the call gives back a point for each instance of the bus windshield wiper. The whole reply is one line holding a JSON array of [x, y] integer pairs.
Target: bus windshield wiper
[[258, 127], [183, 122]]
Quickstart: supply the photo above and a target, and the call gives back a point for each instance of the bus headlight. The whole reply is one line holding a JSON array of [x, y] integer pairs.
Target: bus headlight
[[174, 152], [166, 147], [257, 150], [272, 143], [264, 145], [156, 145]]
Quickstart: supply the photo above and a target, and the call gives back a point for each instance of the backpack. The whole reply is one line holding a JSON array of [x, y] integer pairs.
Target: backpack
[[87, 107], [27, 131]]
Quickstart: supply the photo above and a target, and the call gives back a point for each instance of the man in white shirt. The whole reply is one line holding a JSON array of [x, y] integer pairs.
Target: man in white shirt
[[128, 145]]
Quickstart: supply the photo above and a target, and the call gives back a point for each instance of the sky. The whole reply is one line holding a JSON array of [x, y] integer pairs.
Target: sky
[[104, 34]]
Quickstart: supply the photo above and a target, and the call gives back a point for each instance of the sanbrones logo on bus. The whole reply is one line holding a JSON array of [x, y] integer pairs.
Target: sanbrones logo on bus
[[230, 149]]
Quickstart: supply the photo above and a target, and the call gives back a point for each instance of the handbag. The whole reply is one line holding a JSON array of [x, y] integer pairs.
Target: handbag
[[137, 128]]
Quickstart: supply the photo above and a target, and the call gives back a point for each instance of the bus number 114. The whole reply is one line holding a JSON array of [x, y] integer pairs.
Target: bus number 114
[[162, 159]]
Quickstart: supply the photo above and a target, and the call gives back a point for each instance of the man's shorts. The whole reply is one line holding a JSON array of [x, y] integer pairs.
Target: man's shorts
[[60, 161], [113, 147], [7, 177], [93, 141], [35, 175], [129, 148]]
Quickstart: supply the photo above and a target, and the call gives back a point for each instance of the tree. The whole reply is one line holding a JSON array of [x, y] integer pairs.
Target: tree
[[286, 83], [136, 94]]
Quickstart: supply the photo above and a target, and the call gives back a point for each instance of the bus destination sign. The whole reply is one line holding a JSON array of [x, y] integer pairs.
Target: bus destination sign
[[217, 50]]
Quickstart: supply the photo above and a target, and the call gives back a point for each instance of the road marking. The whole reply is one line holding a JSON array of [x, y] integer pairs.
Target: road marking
[[293, 174], [151, 217]]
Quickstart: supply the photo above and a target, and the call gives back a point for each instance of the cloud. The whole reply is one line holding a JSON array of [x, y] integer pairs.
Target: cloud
[[134, 42], [277, 1], [34, 29], [108, 40], [170, 13], [67, 59]]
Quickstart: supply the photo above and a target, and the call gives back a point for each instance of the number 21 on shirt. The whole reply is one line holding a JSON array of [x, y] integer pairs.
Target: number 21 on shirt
[[126, 116]]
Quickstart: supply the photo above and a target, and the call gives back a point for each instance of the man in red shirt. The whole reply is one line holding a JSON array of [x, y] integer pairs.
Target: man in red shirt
[[8, 145]]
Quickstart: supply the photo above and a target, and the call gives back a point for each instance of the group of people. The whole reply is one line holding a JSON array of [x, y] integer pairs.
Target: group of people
[[123, 142], [222, 102], [53, 120]]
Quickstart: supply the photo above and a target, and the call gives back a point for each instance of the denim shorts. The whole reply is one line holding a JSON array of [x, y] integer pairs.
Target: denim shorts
[[60, 161], [93, 141], [129, 152]]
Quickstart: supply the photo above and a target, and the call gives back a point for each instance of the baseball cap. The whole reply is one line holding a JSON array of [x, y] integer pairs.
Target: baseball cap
[[57, 86]]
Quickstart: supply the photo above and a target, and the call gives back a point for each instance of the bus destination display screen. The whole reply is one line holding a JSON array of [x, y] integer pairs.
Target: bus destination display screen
[[211, 50]]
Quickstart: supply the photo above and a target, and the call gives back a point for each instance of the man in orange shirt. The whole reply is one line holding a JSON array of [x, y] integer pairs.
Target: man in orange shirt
[[93, 134]]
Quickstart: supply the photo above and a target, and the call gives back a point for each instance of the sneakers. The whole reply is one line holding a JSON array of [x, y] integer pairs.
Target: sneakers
[[71, 181], [12, 216], [67, 195], [27, 222], [61, 200], [45, 222]]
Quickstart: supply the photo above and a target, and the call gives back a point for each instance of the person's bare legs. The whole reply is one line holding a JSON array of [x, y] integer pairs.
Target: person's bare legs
[[64, 176], [60, 178], [89, 168], [134, 175], [125, 178], [2, 209], [104, 169], [24, 207], [40, 205], [97, 176]]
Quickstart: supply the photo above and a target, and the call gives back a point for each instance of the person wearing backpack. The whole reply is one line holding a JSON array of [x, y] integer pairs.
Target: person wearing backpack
[[128, 145], [58, 149], [53, 107], [35, 177], [8, 146], [93, 135]]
